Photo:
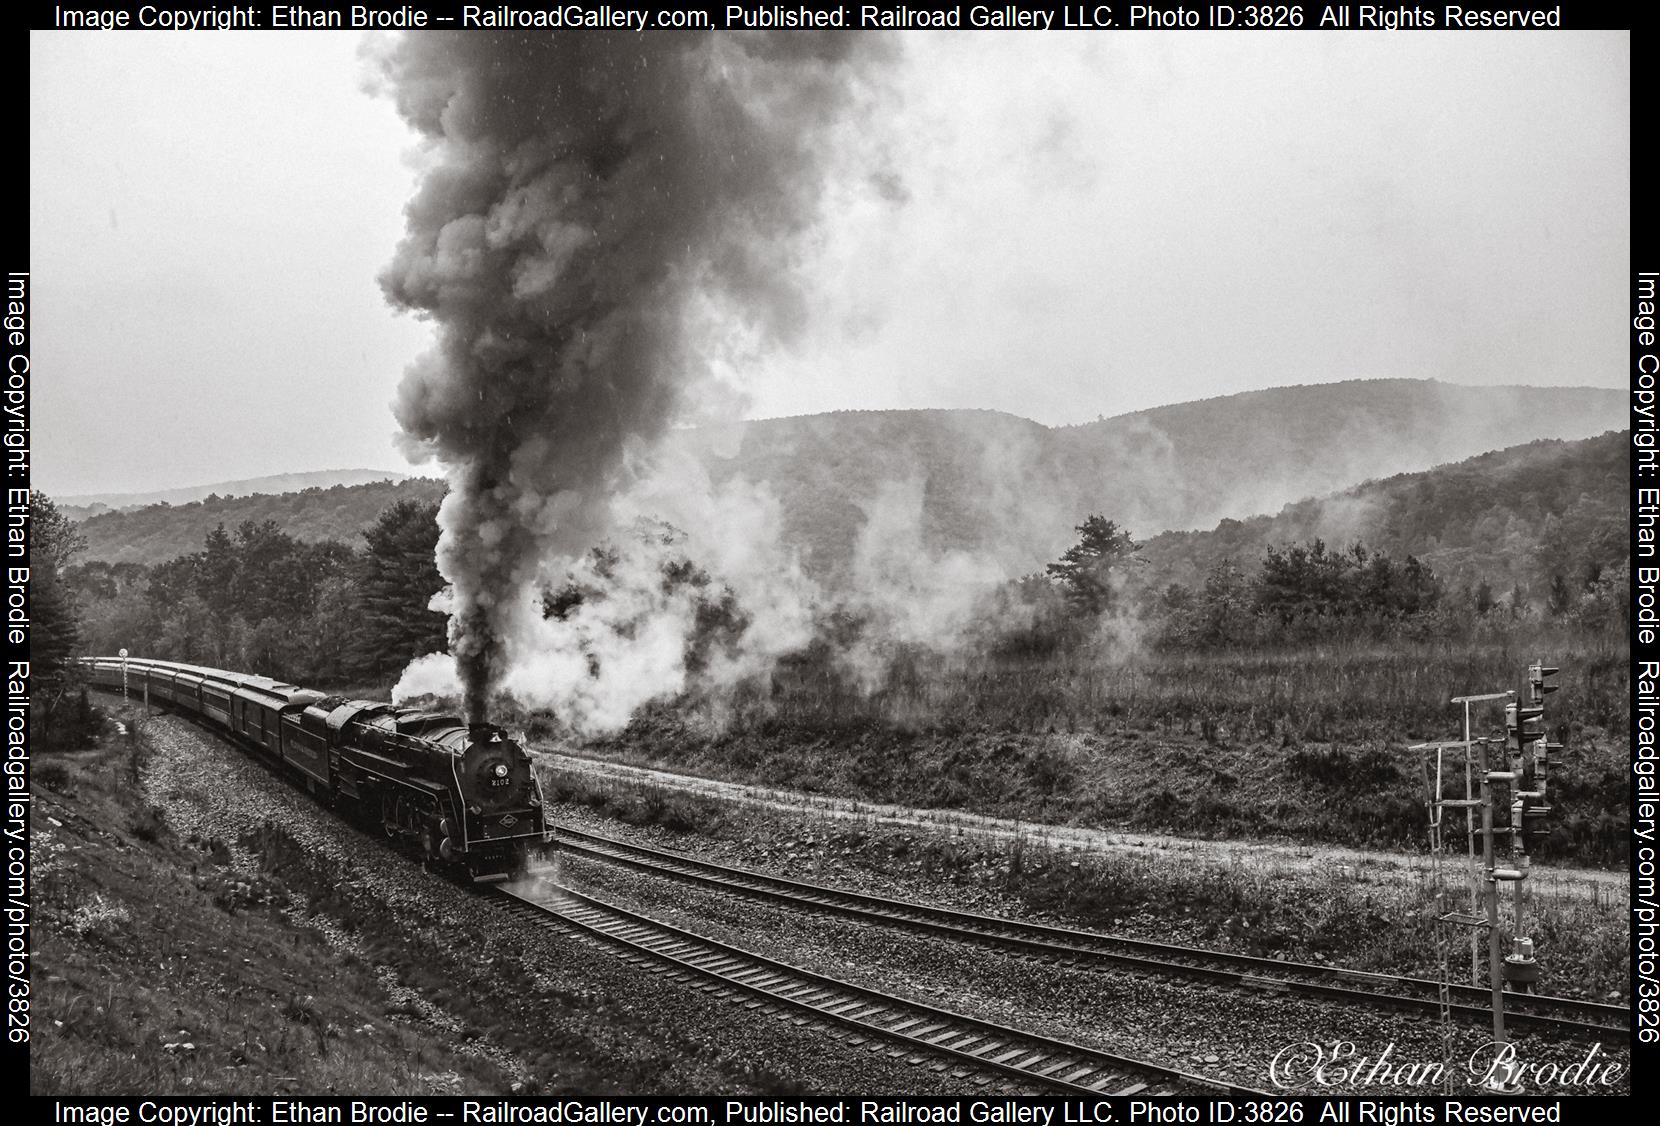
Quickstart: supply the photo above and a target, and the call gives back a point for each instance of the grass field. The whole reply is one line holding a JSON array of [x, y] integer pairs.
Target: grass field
[[1306, 745]]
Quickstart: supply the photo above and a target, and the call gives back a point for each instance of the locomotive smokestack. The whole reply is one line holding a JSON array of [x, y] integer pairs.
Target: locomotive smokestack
[[584, 189]]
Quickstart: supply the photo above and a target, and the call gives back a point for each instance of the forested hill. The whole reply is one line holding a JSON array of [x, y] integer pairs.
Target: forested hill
[[998, 485], [91, 504], [1516, 516], [161, 532], [991, 483]]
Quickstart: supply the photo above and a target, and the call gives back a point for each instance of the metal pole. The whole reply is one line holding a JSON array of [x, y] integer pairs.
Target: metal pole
[[1477, 893], [1470, 850], [1495, 977], [1443, 939]]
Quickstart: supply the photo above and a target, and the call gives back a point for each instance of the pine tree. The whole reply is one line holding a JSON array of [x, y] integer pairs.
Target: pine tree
[[1086, 571], [398, 579], [54, 541]]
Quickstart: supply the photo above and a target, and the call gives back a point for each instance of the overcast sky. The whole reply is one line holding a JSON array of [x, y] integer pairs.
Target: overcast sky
[[1089, 224]]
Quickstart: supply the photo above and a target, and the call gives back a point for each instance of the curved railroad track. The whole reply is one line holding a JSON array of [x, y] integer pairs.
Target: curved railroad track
[[1093, 949], [968, 1047]]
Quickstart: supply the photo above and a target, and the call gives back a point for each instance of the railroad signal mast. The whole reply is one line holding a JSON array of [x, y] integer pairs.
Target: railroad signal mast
[[1508, 795], [1530, 752]]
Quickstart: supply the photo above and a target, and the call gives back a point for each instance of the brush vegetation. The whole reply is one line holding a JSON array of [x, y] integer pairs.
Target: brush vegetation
[[1305, 744]]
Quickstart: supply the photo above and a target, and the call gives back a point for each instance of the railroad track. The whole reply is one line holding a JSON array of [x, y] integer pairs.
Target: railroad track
[[967, 1047], [1092, 949]]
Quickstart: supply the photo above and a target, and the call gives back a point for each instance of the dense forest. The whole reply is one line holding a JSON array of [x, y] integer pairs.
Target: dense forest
[[258, 599]]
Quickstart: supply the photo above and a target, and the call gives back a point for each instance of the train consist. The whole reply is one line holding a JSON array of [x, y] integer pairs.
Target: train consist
[[462, 794]]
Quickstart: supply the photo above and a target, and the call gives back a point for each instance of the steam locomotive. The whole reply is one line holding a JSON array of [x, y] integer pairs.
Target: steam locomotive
[[463, 794]]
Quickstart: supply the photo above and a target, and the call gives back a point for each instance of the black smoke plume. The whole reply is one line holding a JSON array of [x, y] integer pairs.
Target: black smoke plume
[[590, 196]]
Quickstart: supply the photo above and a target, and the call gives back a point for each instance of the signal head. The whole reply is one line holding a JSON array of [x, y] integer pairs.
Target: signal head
[[1523, 723]]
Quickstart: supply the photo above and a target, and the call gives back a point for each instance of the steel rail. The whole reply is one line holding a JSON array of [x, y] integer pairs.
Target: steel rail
[[1086, 948], [969, 1043]]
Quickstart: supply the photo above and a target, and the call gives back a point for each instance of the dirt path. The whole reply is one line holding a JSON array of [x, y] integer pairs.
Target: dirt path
[[1366, 866]]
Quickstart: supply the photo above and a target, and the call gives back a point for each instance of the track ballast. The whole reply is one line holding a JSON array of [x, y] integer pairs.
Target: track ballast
[[864, 1016], [1093, 949]]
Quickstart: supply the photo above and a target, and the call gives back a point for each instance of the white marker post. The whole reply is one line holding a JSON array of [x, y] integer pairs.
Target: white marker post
[[123, 655]]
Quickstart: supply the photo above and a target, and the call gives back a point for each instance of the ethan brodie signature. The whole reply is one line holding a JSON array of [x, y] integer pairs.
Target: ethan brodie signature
[[1341, 1063]]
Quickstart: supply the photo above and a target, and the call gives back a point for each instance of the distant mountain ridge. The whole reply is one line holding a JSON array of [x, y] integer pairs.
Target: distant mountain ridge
[[997, 485], [87, 504]]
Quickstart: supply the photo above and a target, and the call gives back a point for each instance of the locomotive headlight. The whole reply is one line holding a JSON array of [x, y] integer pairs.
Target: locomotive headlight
[[501, 770]]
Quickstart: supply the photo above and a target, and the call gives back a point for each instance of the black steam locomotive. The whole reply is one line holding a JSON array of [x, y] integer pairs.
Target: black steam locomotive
[[463, 794]]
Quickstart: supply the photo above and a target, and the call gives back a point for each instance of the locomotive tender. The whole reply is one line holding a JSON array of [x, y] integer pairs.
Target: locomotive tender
[[462, 793]]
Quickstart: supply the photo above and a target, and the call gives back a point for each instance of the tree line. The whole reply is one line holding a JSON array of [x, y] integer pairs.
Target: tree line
[[1291, 594], [325, 613], [257, 599]]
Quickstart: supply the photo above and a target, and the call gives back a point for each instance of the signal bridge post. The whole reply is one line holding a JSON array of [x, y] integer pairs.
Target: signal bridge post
[[1528, 758]]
